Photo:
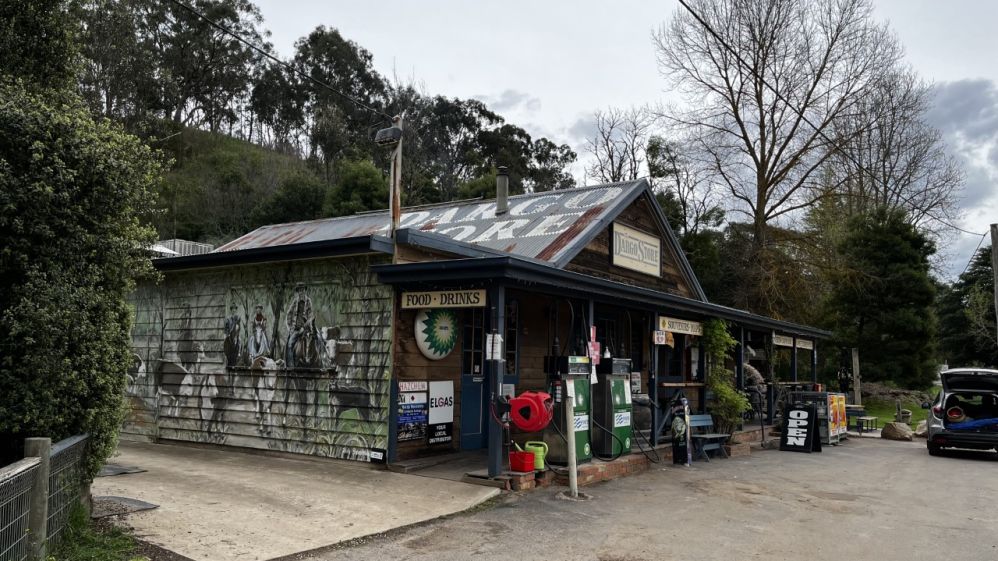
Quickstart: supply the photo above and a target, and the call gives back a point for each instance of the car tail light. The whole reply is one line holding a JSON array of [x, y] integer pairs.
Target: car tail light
[[937, 410]]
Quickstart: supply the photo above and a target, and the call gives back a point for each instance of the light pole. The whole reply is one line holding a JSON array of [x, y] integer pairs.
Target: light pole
[[392, 137]]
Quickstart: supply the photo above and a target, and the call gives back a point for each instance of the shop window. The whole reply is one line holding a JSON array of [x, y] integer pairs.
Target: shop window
[[472, 349], [512, 342]]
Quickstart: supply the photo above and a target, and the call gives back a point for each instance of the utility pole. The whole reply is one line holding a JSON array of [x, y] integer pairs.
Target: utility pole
[[994, 263], [391, 137], [396, 178]]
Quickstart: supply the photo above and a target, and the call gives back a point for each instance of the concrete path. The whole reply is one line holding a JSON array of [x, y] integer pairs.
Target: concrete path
[[223, 505]]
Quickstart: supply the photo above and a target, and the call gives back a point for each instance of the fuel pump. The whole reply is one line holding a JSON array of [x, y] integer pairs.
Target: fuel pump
[[612, 408], [569, 378]]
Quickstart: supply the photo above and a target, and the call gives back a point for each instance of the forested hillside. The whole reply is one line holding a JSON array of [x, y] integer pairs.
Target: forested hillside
[[254, 141]]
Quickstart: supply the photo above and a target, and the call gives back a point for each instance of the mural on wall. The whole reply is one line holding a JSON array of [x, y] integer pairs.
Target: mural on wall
[[284, 357]]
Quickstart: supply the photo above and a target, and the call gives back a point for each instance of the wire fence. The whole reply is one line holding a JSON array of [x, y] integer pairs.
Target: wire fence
[[17, 485], [65, 481], [16, 481]]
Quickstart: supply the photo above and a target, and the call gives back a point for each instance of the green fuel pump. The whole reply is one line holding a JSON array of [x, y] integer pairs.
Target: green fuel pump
[[612, 408], [570, 378]]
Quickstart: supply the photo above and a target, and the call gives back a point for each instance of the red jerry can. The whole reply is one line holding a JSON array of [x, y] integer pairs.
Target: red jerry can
[[531, 411]]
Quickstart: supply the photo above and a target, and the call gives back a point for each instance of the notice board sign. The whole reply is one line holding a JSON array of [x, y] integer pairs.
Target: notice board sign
[[413, 411], [441, 414], [800, 429]]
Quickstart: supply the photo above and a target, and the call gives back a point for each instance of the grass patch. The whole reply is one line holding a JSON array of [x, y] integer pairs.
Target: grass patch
[[83, 540], [884, 410]]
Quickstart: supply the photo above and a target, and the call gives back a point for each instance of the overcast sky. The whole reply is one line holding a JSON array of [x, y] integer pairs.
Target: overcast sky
[[546, 65]]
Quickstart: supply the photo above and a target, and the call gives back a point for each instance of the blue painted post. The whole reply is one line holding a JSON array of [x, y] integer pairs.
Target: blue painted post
[[793, 360], [653, 384], [497, 300], [740, 360], [814, 362]]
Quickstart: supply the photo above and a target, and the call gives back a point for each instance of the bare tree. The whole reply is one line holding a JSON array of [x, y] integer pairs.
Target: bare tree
[[676, 174], [891, 157], [980, 309], [618, 147], [765, 119]]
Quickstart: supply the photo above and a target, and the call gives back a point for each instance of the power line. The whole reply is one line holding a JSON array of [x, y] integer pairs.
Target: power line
[[800, 112], [287, 66], [973, 255]]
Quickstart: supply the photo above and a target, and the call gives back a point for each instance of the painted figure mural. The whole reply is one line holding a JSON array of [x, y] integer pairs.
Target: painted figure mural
[[263, 358], [258, 344], [233, 330]]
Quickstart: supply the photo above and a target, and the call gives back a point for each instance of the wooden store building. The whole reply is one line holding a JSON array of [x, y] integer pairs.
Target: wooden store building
[[333, 338]]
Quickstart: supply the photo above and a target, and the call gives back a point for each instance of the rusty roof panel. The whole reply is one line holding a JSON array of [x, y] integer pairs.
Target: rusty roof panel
[[549, 225]]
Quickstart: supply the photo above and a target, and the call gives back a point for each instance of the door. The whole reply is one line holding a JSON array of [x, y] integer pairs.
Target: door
[[474, 428]]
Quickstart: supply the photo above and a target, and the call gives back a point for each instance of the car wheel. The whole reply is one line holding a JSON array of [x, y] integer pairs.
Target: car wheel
[[934, 449]]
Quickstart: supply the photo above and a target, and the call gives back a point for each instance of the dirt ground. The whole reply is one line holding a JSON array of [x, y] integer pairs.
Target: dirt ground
[[865, 500], [228, 505]]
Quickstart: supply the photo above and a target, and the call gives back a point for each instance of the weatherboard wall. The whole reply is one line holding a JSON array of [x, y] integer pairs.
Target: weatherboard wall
[[595, 259], [291, 357]]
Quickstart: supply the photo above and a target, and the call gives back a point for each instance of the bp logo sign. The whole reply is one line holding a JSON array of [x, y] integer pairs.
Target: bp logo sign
[[436, 332]]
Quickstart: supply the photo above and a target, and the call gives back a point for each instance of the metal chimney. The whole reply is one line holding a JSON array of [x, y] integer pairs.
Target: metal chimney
[[502, 191]]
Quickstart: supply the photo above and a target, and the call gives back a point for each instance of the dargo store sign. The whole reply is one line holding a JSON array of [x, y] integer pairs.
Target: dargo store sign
[[444, 299], [636, 250]]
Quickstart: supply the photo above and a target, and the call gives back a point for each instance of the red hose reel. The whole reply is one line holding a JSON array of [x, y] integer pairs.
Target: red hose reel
[[531, 411]]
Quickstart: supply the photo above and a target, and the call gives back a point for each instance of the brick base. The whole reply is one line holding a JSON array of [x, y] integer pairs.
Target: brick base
[[735, 450], [598, 470]]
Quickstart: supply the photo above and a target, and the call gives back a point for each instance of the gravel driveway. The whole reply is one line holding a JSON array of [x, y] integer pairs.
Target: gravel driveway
[[866, 500]]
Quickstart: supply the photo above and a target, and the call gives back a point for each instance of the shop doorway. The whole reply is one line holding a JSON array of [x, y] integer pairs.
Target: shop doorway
[[474, 428]]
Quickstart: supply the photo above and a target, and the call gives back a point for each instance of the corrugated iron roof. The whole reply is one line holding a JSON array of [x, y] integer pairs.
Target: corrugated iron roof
[[548, 226]]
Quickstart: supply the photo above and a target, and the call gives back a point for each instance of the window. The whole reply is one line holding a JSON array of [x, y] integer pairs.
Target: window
[[512, 328], [473, 343]]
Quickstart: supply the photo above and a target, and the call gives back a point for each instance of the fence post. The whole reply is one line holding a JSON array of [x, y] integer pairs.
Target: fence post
[[39, 514]]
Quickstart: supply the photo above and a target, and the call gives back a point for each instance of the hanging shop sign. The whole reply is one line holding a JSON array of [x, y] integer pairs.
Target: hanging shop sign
[[800, 429], [413, 411], [787, 341], [444, 299], [636, 250], [436, 332], [782, 340], [663, 338], [441, 415], [674, 325]]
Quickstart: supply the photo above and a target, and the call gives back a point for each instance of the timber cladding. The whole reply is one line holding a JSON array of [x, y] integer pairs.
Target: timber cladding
[[291, 357], [595, 258], [412, 366]]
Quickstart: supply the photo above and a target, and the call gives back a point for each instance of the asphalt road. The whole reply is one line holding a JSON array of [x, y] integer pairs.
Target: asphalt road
[[865, 500]]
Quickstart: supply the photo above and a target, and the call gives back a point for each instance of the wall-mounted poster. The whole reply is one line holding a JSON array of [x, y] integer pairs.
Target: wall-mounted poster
[[413, 411], [441, 417]]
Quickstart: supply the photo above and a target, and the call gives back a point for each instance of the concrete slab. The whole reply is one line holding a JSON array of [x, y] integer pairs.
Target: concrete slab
[[222, 505]]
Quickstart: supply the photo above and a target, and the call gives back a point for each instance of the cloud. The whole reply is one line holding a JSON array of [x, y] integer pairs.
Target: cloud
[[581, 130], [966, 113], [511, 100], [967, 109]]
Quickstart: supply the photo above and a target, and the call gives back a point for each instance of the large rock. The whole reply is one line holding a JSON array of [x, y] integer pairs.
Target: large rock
[[922, 430], [896, 431]]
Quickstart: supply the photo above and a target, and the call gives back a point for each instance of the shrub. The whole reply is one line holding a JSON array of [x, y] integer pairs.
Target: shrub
[[728, 403], [72, 194]]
